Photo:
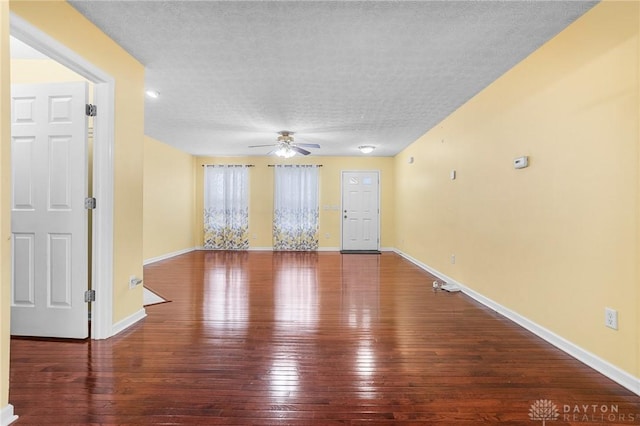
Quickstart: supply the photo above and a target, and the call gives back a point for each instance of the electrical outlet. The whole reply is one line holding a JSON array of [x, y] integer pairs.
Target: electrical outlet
[[611, 318], [453, 259]]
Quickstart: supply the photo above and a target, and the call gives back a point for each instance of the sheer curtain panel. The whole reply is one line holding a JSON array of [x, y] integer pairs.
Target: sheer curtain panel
[[226, 207], [295, 216]]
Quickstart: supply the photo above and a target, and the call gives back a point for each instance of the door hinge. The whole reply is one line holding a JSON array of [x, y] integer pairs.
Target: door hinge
[[91, 110], [90, 296], [90, 203]]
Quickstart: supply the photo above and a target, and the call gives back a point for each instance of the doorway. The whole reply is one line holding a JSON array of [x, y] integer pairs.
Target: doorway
[[360, 210], [101, 268]]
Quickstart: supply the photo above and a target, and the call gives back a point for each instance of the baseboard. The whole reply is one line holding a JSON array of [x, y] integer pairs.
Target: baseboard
[[167, 256], [389, 249], [338, 249], [609, 370], [271, 249], [6, 415], [123, 324], [202, 248]]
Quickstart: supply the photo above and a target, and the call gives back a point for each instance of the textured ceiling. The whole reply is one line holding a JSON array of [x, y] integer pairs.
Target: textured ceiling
[[338, 73]]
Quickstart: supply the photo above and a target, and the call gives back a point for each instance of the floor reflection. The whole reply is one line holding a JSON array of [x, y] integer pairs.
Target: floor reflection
[[296, 297], [360, 297], [296, 313], [284, 379], [226, 291], [361, 311], [366, 368]]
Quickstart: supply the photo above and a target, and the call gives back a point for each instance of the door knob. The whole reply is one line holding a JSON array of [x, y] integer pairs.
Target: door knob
[[345, 216]]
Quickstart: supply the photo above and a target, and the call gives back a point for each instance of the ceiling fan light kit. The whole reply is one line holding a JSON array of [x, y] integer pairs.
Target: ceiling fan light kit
[[366, 149], [285, 152]]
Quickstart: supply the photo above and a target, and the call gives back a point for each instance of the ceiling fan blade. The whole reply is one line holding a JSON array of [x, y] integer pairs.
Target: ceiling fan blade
[[260, 146], [300, 150], [308, 145]]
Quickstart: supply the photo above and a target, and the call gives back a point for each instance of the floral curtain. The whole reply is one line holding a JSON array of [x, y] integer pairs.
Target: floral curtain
[[226, 207], [295, 216]]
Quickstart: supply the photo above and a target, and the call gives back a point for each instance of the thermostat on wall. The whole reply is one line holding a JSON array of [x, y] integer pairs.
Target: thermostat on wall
[[521, 162]]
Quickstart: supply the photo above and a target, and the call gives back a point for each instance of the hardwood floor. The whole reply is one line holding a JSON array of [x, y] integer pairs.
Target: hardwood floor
[[308, 339]]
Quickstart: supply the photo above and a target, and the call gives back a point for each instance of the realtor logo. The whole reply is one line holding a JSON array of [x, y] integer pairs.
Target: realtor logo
[[544, 410]]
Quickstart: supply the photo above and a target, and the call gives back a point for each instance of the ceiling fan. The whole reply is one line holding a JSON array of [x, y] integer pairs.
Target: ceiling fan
[[286, 147]]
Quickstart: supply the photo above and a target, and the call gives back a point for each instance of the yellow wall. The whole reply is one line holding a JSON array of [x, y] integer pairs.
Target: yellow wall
[[62, 22], [556, 242], [169, 202], [261, 196], [41, 71], [5, 224]]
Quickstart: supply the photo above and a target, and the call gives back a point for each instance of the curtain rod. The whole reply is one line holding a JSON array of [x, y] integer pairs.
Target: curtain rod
[[295, 165], [228, 165]]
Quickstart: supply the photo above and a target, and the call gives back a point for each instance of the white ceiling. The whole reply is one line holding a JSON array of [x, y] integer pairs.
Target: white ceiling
[[338, 73]]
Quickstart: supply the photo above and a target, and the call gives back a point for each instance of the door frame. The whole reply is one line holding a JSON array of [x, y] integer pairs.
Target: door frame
[[342, 172], [103, 174]]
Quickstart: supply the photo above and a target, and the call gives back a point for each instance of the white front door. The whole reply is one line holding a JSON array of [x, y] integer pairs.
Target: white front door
[[360, 210], [48, 218]]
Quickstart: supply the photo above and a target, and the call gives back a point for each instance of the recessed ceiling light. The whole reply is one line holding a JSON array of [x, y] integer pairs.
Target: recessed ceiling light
[[366, 149], [153, 94]]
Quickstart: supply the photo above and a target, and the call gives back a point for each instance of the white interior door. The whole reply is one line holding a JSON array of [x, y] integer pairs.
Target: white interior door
[[360, 210], [48, 218]]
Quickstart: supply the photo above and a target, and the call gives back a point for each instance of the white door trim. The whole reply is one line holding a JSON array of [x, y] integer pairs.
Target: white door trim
[[342, 172], [103, 137]]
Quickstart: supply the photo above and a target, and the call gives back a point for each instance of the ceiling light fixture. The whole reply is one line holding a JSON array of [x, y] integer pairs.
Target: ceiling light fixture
[[153, 94], [366, 149], [285, 151]]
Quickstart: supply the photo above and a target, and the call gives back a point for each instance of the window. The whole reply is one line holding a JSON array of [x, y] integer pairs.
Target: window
[[296, 208], [226, 207]]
